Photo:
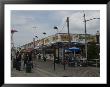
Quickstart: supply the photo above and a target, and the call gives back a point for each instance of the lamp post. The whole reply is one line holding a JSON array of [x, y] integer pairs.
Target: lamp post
[[85, 21], [36, 37], [35, 52], [43, 45], [56, 28], [34, 41]]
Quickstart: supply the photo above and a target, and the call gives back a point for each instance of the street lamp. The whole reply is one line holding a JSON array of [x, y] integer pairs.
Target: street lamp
[[34, 27], [43, 46], [35, 51], [85, 21], [36, 36], [56, 28], [35, 41]]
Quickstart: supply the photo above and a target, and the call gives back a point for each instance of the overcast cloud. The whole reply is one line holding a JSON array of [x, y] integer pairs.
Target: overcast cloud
[[30, 23]]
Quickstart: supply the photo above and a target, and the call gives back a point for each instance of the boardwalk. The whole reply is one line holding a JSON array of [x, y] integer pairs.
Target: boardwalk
[[46, 69]]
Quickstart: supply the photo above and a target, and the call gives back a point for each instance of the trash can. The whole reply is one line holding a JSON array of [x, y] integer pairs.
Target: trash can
[[28, 67]]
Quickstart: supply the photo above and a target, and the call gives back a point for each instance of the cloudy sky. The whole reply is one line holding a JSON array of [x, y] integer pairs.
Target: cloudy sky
[[30, 23]]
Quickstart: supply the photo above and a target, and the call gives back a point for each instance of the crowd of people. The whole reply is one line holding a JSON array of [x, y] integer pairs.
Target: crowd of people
[[23, 61], [73, 60]]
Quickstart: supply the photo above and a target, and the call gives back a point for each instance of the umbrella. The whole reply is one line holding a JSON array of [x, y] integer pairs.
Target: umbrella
[[73, 49]]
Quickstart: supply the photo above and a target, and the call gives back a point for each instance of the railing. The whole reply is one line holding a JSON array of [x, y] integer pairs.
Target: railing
[[94, 62]]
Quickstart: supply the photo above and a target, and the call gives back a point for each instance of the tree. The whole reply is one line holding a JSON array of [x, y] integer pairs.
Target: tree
[[93, 51]]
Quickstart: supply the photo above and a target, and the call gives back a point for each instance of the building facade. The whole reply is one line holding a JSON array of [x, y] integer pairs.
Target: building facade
[[60, 37]]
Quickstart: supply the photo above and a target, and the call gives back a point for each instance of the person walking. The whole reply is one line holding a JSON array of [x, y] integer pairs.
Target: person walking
[[31, 55], [39, 56], [25, 59], [18, 60], [44, 58], [29, 64], [22, 61]]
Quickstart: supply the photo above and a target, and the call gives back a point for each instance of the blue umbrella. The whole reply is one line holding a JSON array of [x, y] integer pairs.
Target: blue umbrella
[[73, 49]]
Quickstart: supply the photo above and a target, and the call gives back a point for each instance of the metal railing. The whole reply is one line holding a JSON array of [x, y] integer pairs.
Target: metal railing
[[94, 62]]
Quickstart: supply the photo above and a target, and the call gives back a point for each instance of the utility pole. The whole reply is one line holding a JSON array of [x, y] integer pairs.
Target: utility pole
[[85, 36], [69, 40], [85, 21]]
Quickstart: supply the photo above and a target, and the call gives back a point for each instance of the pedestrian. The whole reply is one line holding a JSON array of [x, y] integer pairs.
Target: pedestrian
[[28, 67], [44, 58], [31, 64], [30, 60], [39, 56], [22, 61], [14, 62], [30, 56], [18, 60], [25, 59]]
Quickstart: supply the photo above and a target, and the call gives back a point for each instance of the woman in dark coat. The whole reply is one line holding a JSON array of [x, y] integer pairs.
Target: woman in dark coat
[[30, 59], [25, 59], [18, 61]]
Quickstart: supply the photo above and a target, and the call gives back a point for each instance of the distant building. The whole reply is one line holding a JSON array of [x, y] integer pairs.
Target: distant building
[[60, 37]]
